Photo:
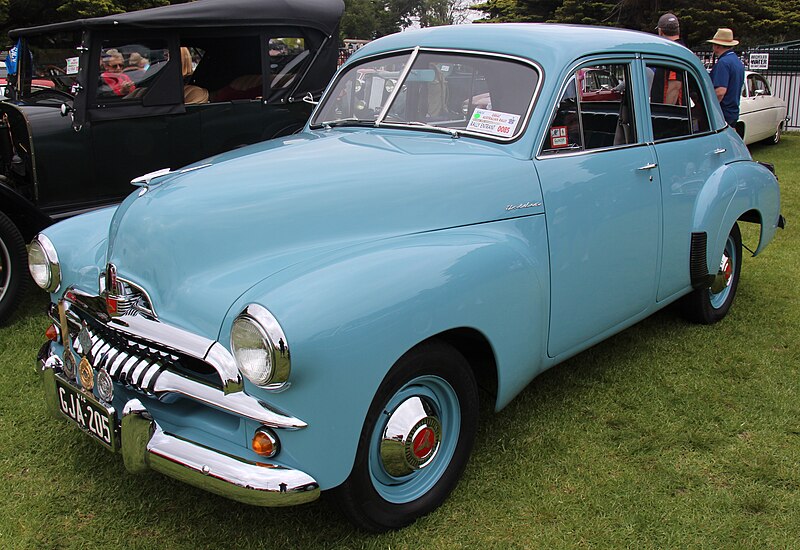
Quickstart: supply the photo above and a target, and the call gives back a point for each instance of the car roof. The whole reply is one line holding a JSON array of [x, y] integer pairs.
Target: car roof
[[319, 14], [548, 44]]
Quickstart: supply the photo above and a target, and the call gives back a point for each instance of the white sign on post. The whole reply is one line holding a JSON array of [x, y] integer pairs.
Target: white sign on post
[[759, 61]]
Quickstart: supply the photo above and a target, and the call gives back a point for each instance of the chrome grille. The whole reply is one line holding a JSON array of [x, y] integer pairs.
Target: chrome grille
[[135, 365]]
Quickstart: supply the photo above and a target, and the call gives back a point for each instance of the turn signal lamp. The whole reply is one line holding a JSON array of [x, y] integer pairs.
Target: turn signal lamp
[[265, 443], [52, 333]]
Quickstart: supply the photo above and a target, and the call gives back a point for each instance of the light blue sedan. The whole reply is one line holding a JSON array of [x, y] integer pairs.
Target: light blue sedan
[[317, 312]]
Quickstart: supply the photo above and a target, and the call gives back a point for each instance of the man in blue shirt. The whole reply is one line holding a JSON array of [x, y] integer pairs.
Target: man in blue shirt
[[727, 75]]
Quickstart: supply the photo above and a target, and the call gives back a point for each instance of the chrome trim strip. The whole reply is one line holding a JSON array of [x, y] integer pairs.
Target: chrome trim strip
[[239, 403], [397, 86], [145, 445]]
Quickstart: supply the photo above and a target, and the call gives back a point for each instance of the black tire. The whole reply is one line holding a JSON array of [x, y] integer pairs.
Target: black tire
[[376, 496], [704, 305], [13, 268]]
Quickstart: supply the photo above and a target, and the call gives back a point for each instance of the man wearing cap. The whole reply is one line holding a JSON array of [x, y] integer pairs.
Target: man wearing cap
[[666, 86], [727, 75]]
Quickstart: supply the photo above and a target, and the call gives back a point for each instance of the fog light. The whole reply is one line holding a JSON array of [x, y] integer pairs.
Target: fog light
[[265, 443]]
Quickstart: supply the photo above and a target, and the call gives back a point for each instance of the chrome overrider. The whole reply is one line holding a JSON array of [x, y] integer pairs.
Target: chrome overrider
[[143, 443]]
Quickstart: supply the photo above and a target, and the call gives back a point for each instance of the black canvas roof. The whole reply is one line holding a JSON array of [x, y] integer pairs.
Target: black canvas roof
[[319, 14]]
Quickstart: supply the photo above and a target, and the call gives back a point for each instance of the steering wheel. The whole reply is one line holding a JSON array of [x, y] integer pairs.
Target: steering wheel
[[54, 70]]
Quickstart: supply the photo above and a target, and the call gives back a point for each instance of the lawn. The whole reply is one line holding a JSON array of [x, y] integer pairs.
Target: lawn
[[668, 435]]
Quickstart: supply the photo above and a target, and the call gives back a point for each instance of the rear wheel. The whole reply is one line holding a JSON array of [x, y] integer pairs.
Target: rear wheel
[[13, 267], [415, 442], [710, 304]]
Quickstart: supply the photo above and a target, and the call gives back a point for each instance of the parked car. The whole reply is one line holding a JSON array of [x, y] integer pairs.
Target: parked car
[[98, 102], [317, 312], [762, 116]]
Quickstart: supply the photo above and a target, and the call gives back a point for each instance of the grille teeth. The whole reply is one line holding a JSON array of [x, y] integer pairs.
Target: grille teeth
[[137, 366]]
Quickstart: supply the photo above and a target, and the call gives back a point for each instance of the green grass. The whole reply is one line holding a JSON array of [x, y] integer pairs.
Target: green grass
[[668, 435]]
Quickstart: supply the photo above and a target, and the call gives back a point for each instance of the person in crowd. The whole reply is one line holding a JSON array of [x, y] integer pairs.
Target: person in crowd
[[667, 84], [137, 66], [113, 81], [727, 75], [192, 94]]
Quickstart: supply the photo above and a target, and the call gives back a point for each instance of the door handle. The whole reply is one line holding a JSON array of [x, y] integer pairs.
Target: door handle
[[719, 151], [649, 166]]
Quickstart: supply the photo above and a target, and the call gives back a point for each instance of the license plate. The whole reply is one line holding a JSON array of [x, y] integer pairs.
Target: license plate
[[89, 414]]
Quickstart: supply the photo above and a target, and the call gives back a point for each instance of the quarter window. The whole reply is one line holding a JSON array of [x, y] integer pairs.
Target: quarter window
[[676, 103], [594, 112]]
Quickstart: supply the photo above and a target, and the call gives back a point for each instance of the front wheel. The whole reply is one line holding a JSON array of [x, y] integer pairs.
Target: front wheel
[[415, 442], [710, 304], [13, 267]]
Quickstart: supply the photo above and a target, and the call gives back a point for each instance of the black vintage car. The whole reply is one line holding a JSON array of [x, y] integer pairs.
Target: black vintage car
[[97, 102]]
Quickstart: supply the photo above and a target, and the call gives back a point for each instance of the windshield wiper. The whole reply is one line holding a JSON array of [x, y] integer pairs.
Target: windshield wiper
[[349, 121], [452, 132]]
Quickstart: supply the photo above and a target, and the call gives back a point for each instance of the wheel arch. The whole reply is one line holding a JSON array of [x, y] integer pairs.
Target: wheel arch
[[742, 191]]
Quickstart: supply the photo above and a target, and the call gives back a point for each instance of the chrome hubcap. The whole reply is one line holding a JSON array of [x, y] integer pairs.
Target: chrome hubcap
[[5, 268], [412, 437]]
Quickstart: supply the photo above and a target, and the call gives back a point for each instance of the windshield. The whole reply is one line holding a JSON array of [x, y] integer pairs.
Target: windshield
[[454, 92], [54, 65]]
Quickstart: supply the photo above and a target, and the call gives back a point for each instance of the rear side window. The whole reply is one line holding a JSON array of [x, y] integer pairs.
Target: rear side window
[[677, 108], [595, 111]]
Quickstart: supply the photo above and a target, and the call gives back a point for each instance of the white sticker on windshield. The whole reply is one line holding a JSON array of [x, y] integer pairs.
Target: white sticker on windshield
[[72, 65], [495, 123]]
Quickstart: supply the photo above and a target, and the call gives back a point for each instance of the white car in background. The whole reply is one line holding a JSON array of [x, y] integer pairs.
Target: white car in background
[[762, 116]]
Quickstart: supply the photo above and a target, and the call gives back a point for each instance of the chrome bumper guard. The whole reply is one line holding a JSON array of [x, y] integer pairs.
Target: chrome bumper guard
[[144, 446]]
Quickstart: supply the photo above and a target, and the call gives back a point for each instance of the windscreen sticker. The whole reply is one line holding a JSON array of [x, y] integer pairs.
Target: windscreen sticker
[[558, 137], [72, 65], [493, 122]]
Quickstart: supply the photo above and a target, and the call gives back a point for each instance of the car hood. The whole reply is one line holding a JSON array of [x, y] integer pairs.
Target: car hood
[[197, 240]]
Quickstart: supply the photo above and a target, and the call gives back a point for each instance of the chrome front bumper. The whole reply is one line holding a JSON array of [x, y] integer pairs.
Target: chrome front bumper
[[144, 446]]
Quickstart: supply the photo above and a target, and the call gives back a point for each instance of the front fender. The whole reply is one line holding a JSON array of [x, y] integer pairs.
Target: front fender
[[81, 265], [350, 316], [730, 192]]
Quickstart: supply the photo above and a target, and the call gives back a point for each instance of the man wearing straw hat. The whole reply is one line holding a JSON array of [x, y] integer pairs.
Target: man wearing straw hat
[[727, 75]]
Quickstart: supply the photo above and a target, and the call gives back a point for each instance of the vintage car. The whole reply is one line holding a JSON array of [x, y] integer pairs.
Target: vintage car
[[762, 116], [317, 312], [97, 102]]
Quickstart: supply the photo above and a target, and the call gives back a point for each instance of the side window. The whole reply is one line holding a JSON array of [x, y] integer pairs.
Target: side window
[[761, 86], [287, 57], [128, 68], [595, 111], [677, 107]]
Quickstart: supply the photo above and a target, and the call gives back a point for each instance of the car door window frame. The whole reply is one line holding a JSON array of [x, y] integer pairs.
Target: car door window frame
[[646, 112], [634, 78]]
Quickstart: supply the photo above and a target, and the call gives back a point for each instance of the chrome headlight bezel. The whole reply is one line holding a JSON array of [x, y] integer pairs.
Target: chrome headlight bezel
[[273, 372], [43, 263]]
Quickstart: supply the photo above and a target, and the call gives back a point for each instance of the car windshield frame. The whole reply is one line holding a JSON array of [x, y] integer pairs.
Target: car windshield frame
[[409, 57]]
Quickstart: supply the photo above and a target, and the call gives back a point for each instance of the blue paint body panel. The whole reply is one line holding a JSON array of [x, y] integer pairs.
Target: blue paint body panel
[[365, 242]]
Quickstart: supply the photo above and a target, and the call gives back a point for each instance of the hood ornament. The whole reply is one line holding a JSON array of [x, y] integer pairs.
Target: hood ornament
[[146, 179]]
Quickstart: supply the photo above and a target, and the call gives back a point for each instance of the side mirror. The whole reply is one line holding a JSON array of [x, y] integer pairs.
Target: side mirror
[[66, 109], [309, 98]]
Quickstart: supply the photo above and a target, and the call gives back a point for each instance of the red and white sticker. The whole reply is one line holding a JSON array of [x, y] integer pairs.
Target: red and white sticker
[[491, 122], [558, 137]]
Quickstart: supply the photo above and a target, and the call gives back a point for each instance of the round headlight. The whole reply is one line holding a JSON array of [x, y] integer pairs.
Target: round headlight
[[259, 347], [43, 264], [252, 350]]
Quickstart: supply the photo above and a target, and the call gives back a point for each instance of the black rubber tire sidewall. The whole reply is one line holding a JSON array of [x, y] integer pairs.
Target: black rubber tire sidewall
[[357, 497], [697, 305], [14, 244]]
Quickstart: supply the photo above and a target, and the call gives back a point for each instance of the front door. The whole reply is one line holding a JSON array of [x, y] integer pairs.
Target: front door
[[602, 197]]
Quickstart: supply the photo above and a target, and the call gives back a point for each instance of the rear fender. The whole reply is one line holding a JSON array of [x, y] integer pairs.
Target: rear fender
[[732, 191]]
